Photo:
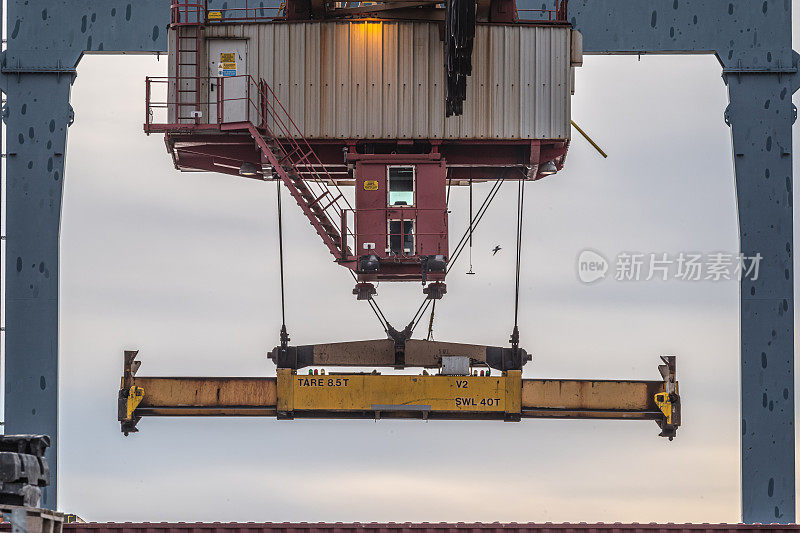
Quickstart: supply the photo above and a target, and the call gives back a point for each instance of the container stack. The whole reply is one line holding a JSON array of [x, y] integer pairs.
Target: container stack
[[23, 469]]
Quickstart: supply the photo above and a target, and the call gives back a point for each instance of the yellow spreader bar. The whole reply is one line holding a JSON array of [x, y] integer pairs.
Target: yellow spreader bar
[[504, 396], [420, 394]]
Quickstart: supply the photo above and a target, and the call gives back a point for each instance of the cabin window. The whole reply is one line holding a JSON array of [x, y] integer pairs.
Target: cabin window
[[401, 237], [401, 186]]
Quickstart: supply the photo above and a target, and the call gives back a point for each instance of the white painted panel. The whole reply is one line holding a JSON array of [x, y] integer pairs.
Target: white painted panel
[[385, 79], [389, 102]]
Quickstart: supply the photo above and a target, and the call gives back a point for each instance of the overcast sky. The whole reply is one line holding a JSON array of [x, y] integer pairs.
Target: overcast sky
[[183, 267]]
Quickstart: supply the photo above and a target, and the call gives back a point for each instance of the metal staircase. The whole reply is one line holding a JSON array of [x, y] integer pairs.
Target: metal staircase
[[281, 142], [292, 158], [311, 203]]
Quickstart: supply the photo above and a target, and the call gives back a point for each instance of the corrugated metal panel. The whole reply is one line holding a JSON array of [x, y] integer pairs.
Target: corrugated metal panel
[[250, 527], [382, 79]]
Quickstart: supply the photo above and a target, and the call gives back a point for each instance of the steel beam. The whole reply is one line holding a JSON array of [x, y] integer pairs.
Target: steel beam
[[752, 40], [36, 76], [385, 352], [761, 115], [503, 396], [37, 115], [537, 398]]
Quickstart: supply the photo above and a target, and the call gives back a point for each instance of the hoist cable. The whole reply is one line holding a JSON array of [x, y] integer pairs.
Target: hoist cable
[[284, 334], [446, 204], [430, 323], [470, 227], [375, 308], [418, 317], [420, 310], [449, 186], [378, 313], [460, 246], [520, 211]]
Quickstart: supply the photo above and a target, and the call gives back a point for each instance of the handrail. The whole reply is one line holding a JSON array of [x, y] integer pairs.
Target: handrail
[[194, 110], [557, 15], [288, 131], [197, 12], [190, 109], [185, 12], [353, 235]]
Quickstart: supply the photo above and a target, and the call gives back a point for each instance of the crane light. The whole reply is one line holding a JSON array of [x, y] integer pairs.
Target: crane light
[[548, 168], [248, 169]]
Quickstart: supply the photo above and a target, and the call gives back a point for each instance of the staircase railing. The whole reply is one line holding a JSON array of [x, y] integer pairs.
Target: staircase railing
[[298, 152], [220, 101], [240, 103]]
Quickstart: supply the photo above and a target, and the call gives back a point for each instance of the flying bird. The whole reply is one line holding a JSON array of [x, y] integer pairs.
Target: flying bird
[[496, 249]]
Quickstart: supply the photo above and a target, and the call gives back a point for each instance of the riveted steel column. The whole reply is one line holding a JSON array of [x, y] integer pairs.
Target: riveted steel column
[[761, 116], [38, 114]]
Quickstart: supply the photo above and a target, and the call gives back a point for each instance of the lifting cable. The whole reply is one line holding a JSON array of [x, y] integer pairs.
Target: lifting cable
[[465, 239], [520, 207], [449, 186], [430, 323], [459, 248], [461, 244], [284, 335], [378, 313], [446, 205], [375, 308], [470, 227]]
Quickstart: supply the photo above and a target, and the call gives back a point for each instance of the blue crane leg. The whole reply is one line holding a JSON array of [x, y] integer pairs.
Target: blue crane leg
[[761, 116], [38, 113]]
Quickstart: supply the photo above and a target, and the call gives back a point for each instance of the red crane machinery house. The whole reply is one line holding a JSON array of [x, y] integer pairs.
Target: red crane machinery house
[[327, 96]]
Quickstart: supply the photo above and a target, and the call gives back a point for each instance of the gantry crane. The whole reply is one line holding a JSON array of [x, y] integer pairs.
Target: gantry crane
[[399, 100]]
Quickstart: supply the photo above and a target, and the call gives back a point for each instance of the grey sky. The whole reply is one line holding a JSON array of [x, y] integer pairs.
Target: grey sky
[[183, 267]]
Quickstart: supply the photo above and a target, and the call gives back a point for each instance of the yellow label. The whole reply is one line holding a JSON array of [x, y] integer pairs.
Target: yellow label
[[227, 58], [229, 66], [371, 185], [367, 392], [214, 15]]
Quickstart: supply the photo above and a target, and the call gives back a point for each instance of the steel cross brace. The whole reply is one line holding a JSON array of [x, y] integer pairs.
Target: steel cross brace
[[752, 39]]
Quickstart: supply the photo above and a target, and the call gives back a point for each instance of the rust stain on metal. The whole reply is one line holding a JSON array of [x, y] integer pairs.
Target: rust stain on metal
[[589, 395], [207, 392]]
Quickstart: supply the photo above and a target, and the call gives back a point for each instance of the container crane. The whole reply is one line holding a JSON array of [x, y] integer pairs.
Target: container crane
[[400, 100]]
